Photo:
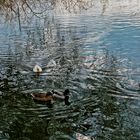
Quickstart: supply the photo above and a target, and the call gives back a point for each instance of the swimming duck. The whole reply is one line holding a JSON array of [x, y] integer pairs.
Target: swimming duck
[[37, 69], [50, 96]]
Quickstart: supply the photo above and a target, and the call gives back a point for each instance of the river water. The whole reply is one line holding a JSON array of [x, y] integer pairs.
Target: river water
[[93, 49]]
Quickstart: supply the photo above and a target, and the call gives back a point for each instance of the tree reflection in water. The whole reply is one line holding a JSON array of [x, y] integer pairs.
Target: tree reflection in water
[[26, 9], [89, 72]]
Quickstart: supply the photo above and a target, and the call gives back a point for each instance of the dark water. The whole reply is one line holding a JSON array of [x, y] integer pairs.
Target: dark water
[[95, 55]]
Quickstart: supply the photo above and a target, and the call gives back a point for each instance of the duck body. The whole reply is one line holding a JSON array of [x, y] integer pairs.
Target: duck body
[[51, 96], [41, 97], [37, 69]]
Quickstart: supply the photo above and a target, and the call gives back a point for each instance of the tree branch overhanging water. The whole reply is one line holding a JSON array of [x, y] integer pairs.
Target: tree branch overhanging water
[[41, 7]]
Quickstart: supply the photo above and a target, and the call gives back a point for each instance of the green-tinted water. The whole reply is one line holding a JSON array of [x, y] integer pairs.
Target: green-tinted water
[[89, 47]]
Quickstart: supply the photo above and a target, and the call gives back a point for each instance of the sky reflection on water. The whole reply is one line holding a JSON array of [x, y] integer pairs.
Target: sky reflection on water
[[97, 58]]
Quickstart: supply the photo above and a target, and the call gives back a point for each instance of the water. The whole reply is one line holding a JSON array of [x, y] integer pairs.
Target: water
[[93, 52]]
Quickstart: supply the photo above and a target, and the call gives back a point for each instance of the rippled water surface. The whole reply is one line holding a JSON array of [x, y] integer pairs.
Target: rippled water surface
[[93, 54]]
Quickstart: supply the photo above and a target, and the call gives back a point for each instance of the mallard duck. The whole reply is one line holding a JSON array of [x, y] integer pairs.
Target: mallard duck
[[37, 69], [50, 96]]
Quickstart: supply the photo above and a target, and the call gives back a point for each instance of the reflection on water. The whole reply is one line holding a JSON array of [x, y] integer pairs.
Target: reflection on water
[[95, 55]]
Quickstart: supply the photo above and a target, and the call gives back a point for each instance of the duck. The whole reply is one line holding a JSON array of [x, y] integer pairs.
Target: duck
[[37, 69], [51, 96]]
